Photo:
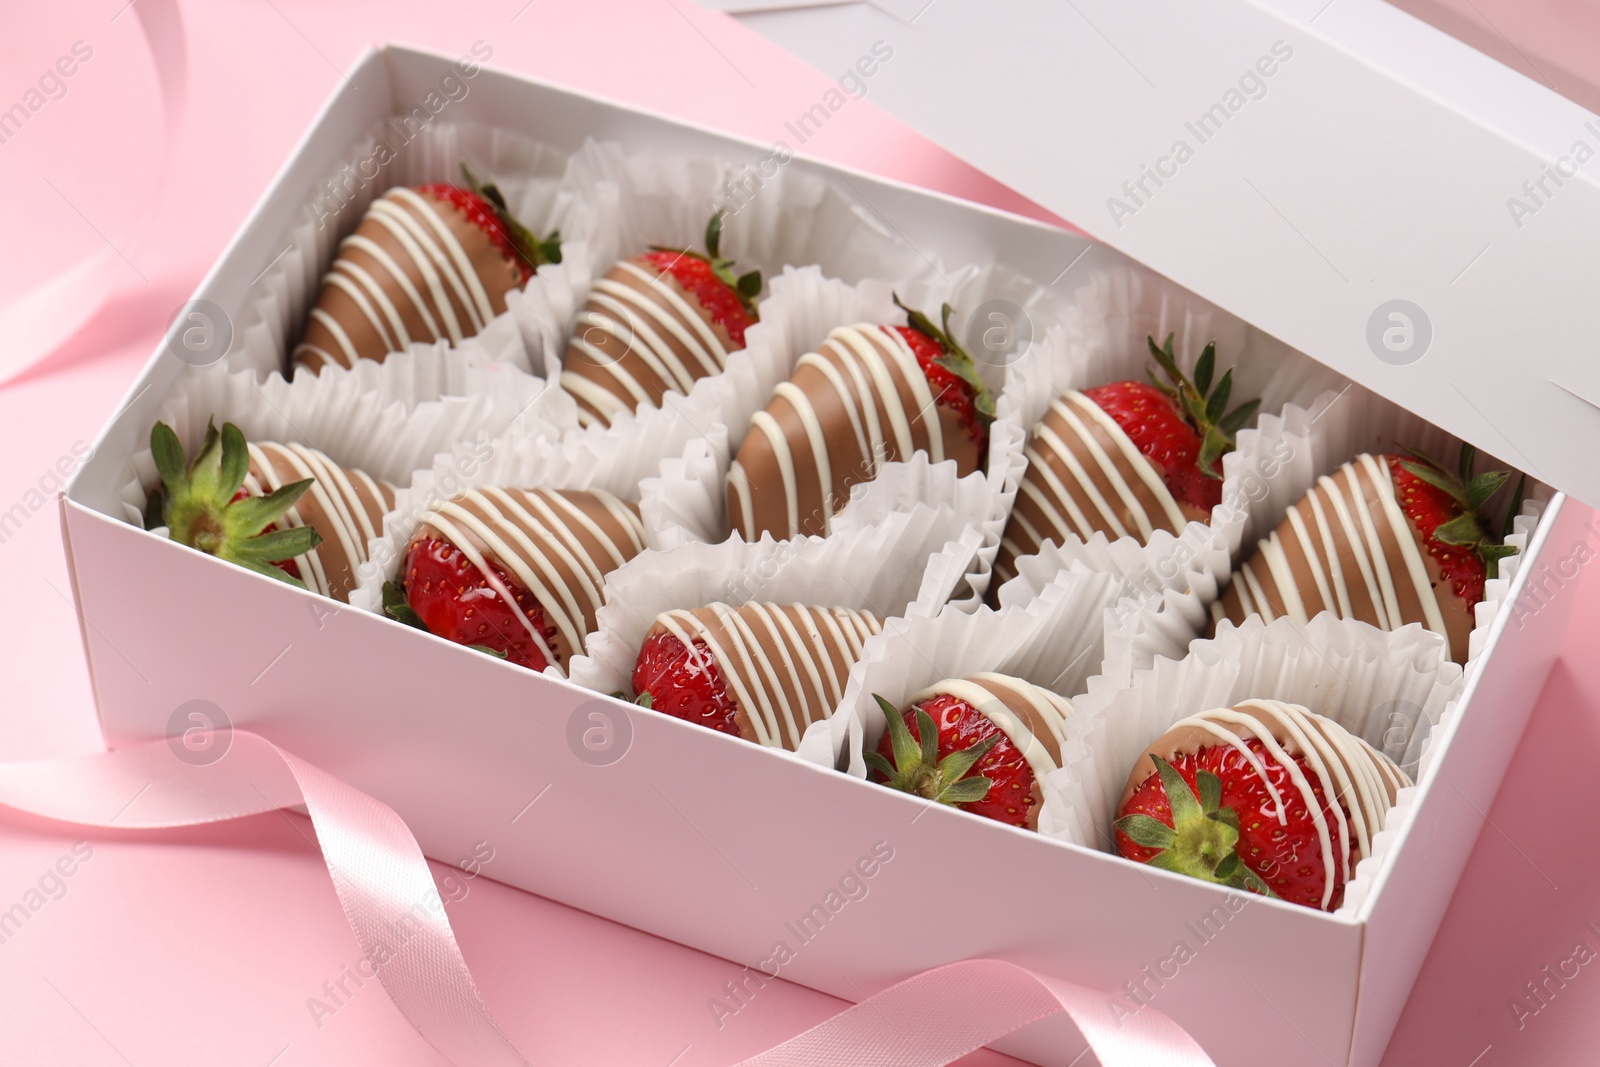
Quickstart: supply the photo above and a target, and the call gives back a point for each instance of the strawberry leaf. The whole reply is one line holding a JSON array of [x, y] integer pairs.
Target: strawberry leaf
[[166, 450], [955, 766], [1204, 367], [714, 235], [1484, 486], [275, 546], [1430, 473], [1180, 798], [1204, 405], [1217, 403], [929, 738], [205, 472], [1210, 791], [253, 514], [235, 463], [398, 608], [1146, 831], [966, 791], [1461, 530], [1234, 421]]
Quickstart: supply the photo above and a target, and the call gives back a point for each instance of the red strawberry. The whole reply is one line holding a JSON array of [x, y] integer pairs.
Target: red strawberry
[[486, 208], [683, 682], [1224, 829], [447, 595], [204, 506], [1445, 510], [1184, 427], [728, 299], [952, 375], [931, 748]]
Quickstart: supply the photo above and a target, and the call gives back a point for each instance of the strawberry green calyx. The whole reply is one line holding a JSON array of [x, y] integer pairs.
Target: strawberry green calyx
[[535, 250], [1201, 842], [956, 359], [1205, 407], [198, 503], [746, 286], [917, 768], [1471, 529]]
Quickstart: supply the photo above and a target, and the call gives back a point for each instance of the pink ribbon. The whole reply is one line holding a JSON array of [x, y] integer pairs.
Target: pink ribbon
[[397, 916]]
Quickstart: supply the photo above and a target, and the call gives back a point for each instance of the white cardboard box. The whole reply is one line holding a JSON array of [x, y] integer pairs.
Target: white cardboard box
[[466, 748]]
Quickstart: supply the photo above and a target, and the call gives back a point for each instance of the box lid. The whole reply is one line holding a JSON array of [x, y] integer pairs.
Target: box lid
[[1342, 175]]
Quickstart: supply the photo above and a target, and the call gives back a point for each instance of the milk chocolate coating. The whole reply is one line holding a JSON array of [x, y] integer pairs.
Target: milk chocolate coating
[[417, 269], [1085, 476], [858, 402], [345, 506], [559, 544], [1348, 548], [785, 665], [639, 336]]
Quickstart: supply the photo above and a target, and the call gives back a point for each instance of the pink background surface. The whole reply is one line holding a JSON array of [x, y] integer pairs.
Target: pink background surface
[[203, 946]]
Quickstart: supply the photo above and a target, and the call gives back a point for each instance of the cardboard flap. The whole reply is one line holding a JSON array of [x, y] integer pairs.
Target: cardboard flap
[[1365, 188]]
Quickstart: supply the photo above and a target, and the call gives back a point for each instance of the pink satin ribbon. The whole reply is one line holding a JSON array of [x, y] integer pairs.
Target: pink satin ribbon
[[396, 914]]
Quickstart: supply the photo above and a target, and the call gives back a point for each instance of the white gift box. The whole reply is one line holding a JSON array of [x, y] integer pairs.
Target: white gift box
[[467, 748]]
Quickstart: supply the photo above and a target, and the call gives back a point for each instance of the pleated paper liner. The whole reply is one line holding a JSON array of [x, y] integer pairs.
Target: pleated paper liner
[[908, 564], [1056, 641]]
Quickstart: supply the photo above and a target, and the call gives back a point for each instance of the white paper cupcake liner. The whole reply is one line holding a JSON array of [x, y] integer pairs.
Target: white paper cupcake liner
[[528, 172], [871, 568], [1389, 688], [390, 428], [1055, 641], [804, 307], [616, 459]]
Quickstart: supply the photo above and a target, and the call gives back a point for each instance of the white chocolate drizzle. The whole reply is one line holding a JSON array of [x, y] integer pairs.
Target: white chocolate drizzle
[[554, 549], [645, 313], [352, 501], [1065, 452], [1355, 508], [866, 366], [785, 665], [430, 252]]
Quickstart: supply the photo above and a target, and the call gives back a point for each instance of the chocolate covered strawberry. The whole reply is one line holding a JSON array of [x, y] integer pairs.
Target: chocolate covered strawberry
[[763, 672], [868, 395], [431, 263], [1389, 540], [983, 744], [1264, 797], [1126, 459], [285, 511], [517, 573], [655, 324]]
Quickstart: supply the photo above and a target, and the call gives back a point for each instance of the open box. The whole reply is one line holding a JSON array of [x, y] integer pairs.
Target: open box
[[667, 852]]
